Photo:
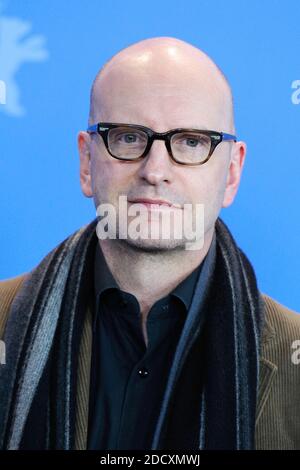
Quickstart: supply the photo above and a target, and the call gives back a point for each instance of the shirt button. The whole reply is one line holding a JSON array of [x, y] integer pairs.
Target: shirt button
[[143, 372]]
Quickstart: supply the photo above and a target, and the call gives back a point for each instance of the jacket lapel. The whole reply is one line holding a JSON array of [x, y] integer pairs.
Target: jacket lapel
[[83, 383], [267, 371]]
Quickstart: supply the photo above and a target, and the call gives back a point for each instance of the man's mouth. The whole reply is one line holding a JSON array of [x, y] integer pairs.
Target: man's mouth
[[155, 203]]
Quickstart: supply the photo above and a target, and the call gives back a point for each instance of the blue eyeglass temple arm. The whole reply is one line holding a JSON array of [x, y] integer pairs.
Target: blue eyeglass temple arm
[[228, 136], [94, 128]]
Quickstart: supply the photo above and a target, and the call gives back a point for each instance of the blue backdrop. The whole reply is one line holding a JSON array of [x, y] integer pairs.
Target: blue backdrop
[[50, 52]]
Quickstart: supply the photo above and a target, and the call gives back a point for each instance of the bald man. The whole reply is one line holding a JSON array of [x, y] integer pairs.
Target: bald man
[[125, 338]]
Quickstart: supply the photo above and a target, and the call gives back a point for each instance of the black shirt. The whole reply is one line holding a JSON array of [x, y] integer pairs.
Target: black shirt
[[128, 378]]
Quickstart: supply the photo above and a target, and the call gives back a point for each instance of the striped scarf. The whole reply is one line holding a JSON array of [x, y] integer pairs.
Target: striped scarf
[[43, 335]]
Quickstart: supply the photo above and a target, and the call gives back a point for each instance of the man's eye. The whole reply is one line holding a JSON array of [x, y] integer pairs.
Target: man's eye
[[192, 141], [128, 138]]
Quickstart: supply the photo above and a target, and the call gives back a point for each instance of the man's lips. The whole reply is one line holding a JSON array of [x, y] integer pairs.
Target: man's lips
[[154, 202]]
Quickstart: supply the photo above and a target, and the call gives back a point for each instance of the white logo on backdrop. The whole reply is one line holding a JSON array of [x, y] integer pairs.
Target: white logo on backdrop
[[17, 46]]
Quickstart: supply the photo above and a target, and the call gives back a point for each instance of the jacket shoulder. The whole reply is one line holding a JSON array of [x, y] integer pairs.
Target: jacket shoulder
[[278, 411], [280, 319], [8, 290]]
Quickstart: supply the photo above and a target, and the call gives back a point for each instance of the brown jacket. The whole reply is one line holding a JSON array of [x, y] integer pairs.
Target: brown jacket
[[278, 408]]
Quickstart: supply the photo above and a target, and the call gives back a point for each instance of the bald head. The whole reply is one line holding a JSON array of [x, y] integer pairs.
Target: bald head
[[165, 69]]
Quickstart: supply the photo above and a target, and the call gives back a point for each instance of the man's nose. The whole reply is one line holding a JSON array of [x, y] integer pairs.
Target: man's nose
[[156, 167]]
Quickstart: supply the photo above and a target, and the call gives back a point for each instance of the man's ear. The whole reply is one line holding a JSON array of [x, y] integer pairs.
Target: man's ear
[[237, 160], [84, 142]]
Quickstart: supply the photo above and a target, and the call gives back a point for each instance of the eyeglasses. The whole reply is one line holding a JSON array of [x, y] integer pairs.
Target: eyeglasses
[[131, 142]]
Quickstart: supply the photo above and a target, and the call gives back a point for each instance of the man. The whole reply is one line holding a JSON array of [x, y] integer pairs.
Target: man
[[145, 342]]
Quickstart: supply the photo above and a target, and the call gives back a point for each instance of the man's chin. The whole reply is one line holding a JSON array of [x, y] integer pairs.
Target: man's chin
[[154, 245]]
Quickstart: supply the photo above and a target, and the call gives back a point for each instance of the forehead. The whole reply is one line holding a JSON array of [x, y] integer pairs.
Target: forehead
[[161, 97]]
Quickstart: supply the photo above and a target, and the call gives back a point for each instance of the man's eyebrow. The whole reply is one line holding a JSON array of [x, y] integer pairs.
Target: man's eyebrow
[[203, 128], [183, 126]]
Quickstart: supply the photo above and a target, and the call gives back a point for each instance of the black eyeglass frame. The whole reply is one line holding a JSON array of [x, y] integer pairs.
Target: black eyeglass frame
[[103, 128]]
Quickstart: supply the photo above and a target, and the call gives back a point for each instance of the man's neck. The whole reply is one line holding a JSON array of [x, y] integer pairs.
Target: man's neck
[[150, 276]]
